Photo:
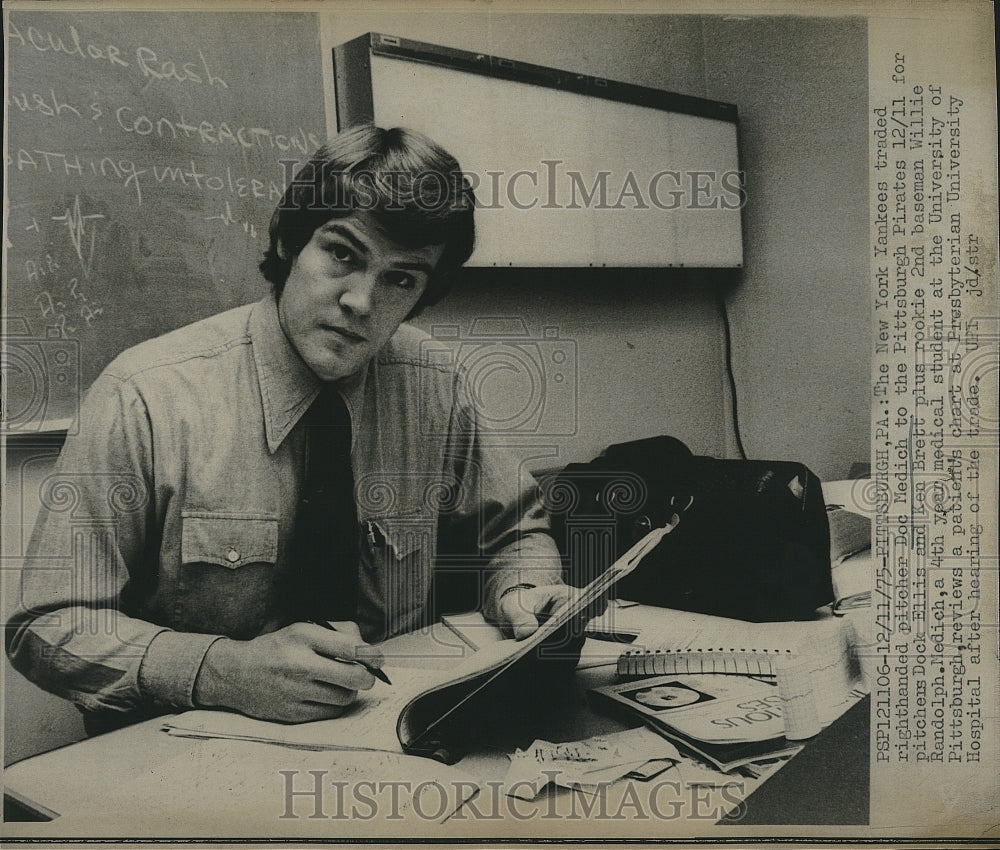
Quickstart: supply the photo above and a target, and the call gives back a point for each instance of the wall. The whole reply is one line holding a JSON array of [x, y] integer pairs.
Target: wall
[[651, 351], [801, 316]]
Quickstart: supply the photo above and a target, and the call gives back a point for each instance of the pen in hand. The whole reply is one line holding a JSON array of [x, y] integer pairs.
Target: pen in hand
[[375, 671]]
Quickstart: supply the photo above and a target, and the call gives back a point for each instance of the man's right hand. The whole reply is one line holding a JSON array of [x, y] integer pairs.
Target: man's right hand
[[301, 672]]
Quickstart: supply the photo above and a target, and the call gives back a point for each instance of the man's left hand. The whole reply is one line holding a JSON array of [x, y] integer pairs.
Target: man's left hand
[[522, 610]]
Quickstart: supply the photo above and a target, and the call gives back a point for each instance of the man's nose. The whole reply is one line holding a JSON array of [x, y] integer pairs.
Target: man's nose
[[358, 293]]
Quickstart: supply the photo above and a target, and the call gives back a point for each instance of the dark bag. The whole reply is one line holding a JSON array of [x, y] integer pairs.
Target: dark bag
[[753, 541]]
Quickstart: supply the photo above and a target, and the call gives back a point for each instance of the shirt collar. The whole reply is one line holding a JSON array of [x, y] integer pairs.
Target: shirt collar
[[287, 385]]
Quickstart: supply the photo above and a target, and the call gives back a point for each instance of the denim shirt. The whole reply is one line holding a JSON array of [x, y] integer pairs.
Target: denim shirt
[[168, 520]]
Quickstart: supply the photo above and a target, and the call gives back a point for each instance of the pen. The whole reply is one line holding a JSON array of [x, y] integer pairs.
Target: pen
[[378, 674]]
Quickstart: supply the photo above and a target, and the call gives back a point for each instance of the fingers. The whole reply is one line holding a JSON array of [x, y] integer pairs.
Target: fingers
[[344, 644], [331, 658], [301, 672], [305, 711], [519, 617], [348, 627], [525, 608], [327, 693], [558, 596], [346, 675], [322, 687]]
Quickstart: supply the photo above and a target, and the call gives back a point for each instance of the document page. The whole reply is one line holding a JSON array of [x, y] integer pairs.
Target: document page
[[274, 790], [369, 724]]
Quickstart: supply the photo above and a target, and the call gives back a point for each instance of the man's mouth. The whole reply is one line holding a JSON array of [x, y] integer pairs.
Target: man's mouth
[[351, 336]]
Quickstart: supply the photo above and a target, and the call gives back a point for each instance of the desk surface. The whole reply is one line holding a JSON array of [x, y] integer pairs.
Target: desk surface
[[74, 779]]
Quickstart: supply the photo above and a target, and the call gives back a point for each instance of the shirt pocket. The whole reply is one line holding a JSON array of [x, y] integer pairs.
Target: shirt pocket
[[399, 549], [227, 582], [228, 539]]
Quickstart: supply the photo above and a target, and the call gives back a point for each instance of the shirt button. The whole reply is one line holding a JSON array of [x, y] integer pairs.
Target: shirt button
[[232, 556]]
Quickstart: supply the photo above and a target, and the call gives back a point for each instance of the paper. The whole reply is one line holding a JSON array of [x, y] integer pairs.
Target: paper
[[587, 764], [250, 783], [818, 649], [473, 628], [369, 725], [477, 672], [713, 709], [598, 653], [689, 771], [852, 495], [482, 636], [686, 630], [612, 625], [828, 654], [798, 703]]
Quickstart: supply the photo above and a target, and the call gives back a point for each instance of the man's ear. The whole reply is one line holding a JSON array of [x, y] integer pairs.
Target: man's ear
[[279, 249]]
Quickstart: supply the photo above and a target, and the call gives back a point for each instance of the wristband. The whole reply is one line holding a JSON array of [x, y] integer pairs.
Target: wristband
[[514, 587]]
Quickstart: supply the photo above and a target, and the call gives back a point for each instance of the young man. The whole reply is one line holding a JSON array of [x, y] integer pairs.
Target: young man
[[174, 561]]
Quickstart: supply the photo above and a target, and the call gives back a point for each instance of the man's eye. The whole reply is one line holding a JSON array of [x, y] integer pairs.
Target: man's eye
[[341, 253], [401, 279]]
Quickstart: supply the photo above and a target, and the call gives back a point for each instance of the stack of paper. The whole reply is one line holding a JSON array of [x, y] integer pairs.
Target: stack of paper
[[587, 765], [727, 720]]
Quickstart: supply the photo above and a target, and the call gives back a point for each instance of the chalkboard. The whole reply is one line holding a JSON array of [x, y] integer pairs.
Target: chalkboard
[[146, 152]]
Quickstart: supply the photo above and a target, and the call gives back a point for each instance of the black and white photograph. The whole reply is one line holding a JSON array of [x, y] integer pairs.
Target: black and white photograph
[[667, 697], [393, 393]]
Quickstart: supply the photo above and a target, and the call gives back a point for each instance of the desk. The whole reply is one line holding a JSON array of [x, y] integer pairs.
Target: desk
[[42, 785]]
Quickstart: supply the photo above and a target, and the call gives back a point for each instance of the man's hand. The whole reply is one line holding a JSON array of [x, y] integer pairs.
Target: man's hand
[[522, 610], [301, 672]]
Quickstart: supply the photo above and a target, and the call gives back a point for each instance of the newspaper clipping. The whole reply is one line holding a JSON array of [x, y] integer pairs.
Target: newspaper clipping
[[764, 233]]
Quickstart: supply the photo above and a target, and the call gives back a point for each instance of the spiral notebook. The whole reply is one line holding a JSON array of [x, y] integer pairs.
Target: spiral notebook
[[734, 662], [809, 661]]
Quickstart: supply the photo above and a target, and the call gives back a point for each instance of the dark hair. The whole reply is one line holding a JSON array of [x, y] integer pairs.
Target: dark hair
[[414, 189]]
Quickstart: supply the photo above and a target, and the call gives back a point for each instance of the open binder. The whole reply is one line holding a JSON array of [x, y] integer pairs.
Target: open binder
[[445, 720], [439, 714]]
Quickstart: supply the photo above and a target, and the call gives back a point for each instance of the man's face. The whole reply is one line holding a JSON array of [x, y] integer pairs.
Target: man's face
[[347, 292]]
